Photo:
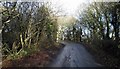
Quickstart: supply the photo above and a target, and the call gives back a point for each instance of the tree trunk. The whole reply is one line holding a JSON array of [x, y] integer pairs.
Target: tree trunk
[[107, 34], [115, 24]]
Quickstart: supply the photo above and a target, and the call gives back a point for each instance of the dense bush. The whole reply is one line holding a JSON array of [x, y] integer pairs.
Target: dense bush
[[27, 26]]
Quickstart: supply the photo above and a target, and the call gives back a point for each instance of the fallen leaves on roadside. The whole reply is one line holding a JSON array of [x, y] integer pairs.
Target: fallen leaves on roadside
[[35, 60]]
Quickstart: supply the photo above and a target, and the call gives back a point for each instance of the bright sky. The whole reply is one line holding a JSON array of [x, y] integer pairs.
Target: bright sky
[[71, 6], [68, 6]]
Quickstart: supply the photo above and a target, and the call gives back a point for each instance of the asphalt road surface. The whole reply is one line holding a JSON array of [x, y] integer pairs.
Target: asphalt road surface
[[74, 55]]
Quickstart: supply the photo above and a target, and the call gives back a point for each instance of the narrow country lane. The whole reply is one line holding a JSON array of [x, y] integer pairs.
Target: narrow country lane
[[74, 55]]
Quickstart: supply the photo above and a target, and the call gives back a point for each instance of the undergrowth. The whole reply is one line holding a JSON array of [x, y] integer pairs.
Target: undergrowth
[[14, 53]]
